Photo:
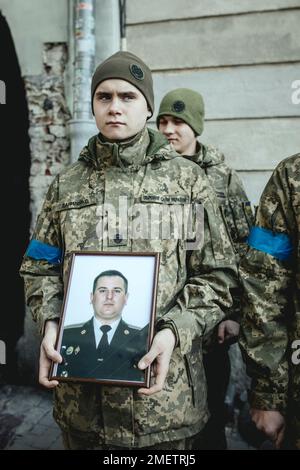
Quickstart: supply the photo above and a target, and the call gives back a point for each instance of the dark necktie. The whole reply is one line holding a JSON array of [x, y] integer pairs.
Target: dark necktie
[[103, 343]]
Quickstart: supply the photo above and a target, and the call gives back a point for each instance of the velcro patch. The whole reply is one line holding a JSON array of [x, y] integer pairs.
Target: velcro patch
[[165, 199]]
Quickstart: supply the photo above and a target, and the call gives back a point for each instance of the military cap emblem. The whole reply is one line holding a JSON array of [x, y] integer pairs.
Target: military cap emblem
[[178, 106], [69, 350], [126, 332], [136, 71], [118, 238]]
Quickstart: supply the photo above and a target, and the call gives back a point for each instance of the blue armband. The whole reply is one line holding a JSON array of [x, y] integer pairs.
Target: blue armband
[[278, 245], [39, 250]]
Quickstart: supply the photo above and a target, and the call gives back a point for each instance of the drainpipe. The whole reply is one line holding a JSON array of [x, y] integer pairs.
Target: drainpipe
[[122, 9], [107, 28], [82, 45]]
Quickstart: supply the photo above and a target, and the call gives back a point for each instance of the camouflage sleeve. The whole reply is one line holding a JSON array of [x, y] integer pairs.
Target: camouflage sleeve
[[240, 221], [266, 272], [205, 298], [241, 212], [41, 266]]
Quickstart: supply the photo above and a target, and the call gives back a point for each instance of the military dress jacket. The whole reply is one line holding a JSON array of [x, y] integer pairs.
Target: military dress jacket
[[81, 357], [271, 277], [146, 177]]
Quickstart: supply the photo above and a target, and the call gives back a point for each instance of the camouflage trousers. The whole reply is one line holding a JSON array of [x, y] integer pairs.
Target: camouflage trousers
[[72, 442]]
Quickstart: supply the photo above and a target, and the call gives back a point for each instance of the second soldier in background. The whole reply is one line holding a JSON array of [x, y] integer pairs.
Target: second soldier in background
[[181, 119]]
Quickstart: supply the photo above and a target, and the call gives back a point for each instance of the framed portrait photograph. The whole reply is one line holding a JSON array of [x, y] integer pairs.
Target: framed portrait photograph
[[108, 316]]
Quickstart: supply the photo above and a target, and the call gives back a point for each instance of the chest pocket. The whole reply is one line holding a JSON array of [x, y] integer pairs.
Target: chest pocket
[[166, 221], [78, 221]]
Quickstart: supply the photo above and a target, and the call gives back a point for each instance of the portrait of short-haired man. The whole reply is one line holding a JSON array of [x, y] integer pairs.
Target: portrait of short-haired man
[[105, 347]]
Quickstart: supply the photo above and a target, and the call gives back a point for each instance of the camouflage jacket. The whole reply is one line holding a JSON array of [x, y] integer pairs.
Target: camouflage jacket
[[271, 276], [235, 206], [230, 193], [193, 291]]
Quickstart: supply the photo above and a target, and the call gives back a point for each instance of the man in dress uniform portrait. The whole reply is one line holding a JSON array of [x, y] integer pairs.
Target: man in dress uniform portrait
[[105, 347]]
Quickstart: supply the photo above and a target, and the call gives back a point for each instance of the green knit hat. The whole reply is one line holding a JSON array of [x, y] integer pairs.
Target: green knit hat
[[185, 104], [129, 67]]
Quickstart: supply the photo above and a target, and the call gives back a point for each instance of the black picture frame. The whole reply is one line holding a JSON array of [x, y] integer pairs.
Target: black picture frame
[[85, 357]]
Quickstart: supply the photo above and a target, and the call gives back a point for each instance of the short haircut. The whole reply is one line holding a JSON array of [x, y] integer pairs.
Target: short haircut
[[110, 273]]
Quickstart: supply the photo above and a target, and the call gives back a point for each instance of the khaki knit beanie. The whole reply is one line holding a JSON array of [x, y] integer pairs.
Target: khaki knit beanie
[[129, 67], [185, 104]]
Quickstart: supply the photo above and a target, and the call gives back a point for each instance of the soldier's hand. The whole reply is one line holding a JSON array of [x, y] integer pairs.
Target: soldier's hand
[[48, 354], [228, 329], [272, 423], [160, 351]]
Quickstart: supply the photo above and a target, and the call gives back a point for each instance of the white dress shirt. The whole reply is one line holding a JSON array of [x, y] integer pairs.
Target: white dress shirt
[[98, 333]]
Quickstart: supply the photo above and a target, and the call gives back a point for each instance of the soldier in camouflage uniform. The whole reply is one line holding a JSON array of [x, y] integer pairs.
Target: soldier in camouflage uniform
[[270, 327], [181, 119], [128, 165]]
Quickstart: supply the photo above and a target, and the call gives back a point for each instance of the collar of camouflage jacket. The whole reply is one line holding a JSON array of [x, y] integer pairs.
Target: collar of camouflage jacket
[[143, 148], [206, 156]]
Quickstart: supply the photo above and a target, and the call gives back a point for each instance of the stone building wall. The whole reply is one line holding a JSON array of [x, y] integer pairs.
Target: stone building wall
[[48, 116]]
